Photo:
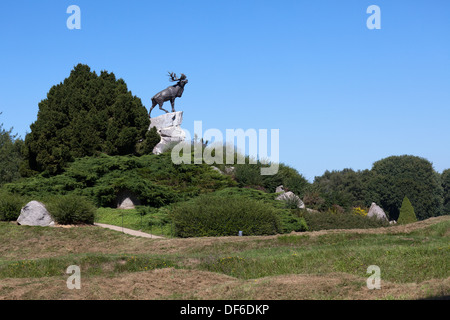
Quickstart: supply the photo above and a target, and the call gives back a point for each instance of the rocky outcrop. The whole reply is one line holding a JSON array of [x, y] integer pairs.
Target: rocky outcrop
[[169, 128], [376, 211], [289, 196], [34, 213]]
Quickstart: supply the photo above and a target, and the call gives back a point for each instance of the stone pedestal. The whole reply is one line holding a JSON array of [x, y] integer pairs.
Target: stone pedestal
[[169, 128]]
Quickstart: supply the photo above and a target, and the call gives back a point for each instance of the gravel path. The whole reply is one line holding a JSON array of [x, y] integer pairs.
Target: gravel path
[[129, 231]]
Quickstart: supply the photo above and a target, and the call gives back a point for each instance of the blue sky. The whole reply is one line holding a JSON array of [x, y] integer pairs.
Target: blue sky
[[342, 96]]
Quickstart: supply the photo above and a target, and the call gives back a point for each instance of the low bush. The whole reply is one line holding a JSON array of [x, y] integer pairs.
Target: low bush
[[71, 209], [328, 220], [224, 215], [291, 221], [10, 206]]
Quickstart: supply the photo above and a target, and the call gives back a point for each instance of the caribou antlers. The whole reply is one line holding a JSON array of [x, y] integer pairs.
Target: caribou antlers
[[173, 77]]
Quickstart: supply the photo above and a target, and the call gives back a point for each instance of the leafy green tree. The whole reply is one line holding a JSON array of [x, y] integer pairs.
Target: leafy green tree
[[446, 186], [10, 155], [407, 214], [395, 177], [346, 188], [84, 115]]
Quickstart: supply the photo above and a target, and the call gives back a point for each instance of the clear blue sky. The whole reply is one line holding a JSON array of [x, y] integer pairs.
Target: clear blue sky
[[342, 96]]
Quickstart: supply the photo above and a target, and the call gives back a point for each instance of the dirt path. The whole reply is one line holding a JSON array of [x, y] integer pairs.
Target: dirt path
[[129, 231]]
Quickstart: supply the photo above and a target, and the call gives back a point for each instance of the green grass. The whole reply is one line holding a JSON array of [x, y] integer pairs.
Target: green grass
[[402, 258], [410, 257], [155, 222], [91, 264]]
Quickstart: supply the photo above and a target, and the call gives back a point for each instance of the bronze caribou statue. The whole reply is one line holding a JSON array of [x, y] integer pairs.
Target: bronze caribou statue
[[170, 93]]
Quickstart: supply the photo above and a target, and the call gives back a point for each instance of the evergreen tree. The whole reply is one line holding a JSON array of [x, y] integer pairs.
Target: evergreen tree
[[152, 138], [446, 186], [84, 115], [10, 156], [407, 214]]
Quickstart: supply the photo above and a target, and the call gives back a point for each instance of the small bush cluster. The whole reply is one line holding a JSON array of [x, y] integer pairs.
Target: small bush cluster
[[326, 220], [215, 215], [292, 221], [10, 206], [71, 209]]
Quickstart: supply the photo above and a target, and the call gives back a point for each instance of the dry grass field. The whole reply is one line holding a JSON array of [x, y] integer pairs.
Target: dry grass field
[[332, 264]]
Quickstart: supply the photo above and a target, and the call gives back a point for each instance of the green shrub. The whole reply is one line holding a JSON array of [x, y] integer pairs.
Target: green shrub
[[290, 221], [328, 220], [407, 214], [10, 206], [152, 138], [71, 209], [215, 215]]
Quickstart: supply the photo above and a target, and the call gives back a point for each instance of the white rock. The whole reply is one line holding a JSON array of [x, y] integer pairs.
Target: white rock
[[289, 196], [171, 119], [35, 213], [229, 170], [376, 211], [168, 127]]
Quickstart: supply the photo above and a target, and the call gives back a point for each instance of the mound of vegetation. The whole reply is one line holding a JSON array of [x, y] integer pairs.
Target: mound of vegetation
[[155, 180]]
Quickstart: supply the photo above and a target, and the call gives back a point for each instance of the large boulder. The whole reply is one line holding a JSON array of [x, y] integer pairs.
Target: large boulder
[[34, 213], [289, 197], [376, 211], [168, 127]]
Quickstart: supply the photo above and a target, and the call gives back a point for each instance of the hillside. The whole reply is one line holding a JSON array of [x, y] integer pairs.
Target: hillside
[[328, 264], [162, 189]]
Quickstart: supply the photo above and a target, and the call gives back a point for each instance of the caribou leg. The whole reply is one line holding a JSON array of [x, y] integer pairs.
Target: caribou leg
[[161, 108], [153, 105], [172, 102]]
